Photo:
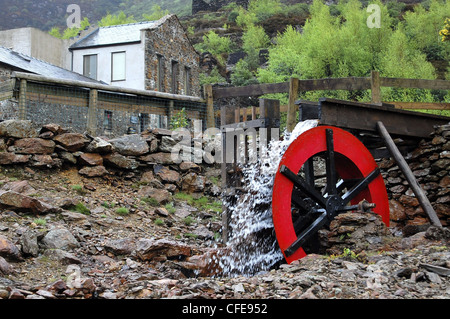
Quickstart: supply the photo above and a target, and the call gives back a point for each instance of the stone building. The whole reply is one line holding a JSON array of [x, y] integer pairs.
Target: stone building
[[152, 55]]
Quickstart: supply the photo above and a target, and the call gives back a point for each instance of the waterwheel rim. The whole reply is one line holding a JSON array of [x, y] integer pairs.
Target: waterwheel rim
[[352, 161]]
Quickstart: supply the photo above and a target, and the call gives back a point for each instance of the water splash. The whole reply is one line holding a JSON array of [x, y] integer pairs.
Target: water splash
[[252, 245]]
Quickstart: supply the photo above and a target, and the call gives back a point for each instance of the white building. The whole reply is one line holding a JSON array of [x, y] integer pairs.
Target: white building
[[114, 55]]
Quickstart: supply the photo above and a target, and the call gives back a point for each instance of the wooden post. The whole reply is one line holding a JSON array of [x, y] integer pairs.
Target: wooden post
[[375, 85], [292, 108], [23, 100], [208, 91], [403, 165], [92, 112]]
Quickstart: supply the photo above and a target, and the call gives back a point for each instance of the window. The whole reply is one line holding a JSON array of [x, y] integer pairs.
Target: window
[[90, 66], [187, 81], [118, 66], [107, 123], [160, 74], [174, 77]]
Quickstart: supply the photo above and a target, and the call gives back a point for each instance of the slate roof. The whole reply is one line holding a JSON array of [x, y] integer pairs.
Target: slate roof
[[32, 65], [113, 35]]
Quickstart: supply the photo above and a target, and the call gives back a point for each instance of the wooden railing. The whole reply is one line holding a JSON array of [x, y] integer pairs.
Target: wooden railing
[[295, 86]]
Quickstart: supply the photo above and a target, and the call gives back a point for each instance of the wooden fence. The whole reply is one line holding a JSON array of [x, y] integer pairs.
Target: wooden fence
[[295, 86]]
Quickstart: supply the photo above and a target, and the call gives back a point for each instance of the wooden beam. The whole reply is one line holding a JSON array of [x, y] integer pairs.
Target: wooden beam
[[420, 106], [415, 83], [209, 97], [251, 90], [292, 107], [403, 165], [375, 87], [103, 87], [23, 100], [92, 113]]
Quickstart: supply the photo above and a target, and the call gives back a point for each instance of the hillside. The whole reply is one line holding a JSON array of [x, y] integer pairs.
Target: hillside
[[46, 14]]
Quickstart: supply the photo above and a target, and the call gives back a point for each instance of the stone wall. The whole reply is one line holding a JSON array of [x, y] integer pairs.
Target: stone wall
[[178, 49], [5, 73], [147, 155], [430, 163]]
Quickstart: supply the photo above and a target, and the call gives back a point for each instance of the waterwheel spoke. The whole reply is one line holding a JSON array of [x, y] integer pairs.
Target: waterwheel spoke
[[330, 164], [360, 186], [304, 186]]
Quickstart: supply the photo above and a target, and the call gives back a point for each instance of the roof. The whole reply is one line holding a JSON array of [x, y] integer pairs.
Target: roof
[[113, 35], [33, 65]]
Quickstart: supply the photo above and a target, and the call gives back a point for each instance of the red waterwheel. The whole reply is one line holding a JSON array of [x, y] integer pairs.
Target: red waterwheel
[[305, 200]]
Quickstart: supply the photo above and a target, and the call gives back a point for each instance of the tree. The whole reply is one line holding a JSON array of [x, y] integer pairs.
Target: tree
[[116, 19], [70, 32], [157, 13]]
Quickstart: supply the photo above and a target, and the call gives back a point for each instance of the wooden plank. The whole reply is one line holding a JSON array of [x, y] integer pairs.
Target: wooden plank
[[251, 90], [360, 116], [291, 121], [415, 83], [375, 87], [420, 106], [407, 172], [210, 122], [350, 83]]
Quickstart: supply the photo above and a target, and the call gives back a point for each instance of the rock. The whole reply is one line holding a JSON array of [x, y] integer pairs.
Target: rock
[[158, 158], [52, 127], [72, 142], [29, 242], [99, 145], [46, 161], [13, 159], [162, 196], [68, 157], [8, 250], [34, 146], [167, 144], [22, 187], [147, 177], [124, 246], [23, 202], [17, 129], [95, 171], [161, 211], [60, 239], [397, 210], [193, 183], [166, 175], [130, 145], [121, 161], [5, 267], [162, 132], [91, 159], [189, 166], [147, 249]]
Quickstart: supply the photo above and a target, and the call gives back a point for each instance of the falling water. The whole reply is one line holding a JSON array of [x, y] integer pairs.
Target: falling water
[[252, 246]]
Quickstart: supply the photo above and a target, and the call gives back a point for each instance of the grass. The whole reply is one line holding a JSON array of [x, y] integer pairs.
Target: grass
[[40, 221], [159, 222], [79, 189], [150, 201], [170, 208], [80, 208], [123, 211], [203, 203], [188, 221]]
